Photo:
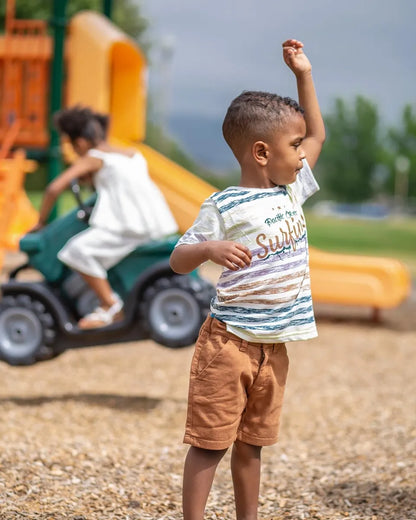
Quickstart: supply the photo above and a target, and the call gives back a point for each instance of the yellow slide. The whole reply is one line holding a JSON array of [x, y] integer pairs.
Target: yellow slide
[[380, 283], [106, 70]]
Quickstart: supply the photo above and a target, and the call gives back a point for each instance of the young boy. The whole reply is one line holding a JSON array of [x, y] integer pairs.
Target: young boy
[[257, 232]]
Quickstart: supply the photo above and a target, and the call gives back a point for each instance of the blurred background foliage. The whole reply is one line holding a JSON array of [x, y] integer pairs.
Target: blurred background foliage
[[125, 13], [363, 159]]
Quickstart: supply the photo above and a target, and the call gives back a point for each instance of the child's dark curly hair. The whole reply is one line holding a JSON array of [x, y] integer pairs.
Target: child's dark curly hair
[[255, 115], [81, 121]]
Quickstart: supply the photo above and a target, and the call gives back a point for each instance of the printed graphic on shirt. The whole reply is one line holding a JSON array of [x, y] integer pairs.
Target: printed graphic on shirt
[[292, 229]]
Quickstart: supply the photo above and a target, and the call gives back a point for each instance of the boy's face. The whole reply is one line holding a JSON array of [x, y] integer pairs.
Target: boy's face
[[285, 152]]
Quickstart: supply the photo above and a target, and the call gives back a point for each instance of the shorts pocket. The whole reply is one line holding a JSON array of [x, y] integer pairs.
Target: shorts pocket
[[208, 351]]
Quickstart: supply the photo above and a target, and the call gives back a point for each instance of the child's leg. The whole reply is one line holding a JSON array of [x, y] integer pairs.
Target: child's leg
[[199, 471], [102, 289], [245, 469], [92, 253], [110, 304]]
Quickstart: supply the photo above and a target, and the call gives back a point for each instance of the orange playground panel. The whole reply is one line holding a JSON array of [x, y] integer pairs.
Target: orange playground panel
[[25, 54]]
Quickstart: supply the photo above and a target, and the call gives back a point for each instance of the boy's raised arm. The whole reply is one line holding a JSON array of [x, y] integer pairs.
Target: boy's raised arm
[[300, 65]]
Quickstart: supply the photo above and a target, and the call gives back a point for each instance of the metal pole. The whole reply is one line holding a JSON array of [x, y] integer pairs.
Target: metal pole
[[401, 182], [10, 15], [108, 8], [58, 24]]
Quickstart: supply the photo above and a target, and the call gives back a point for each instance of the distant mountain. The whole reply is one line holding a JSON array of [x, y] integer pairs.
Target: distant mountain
[[201, 138]]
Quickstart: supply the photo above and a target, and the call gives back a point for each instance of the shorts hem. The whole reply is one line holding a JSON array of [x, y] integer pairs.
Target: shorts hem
[[207, 444], [256, 441], [73, 265]]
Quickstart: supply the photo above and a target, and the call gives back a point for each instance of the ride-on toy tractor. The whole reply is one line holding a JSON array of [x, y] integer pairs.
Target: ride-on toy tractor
[[38, 319]]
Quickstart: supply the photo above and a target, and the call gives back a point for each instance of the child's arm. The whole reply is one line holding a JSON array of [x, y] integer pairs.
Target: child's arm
[[79, 169], [187, 257], [300, 65]]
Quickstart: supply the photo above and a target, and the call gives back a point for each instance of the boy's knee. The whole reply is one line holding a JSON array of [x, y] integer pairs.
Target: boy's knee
[[203, 458], [207, 453], [244, 450]]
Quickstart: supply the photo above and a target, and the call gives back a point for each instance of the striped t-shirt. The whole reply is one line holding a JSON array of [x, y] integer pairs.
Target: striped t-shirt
[[268, 301]]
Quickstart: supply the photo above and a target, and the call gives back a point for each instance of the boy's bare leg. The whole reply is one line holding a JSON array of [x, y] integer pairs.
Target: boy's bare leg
[[245, 469], [102, 289], [199, 471]]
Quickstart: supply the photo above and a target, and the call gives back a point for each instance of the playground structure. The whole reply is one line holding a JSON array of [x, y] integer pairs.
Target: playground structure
[[25, 51], [25, 54], [375, 282], [17, 214], [107, 71]]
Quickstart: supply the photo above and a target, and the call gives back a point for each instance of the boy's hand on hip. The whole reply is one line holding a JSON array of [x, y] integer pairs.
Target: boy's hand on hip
[[295, 58], [231, 255]]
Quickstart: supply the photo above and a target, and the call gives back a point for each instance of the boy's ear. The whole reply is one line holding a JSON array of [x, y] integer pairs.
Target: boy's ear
[[260, 152]]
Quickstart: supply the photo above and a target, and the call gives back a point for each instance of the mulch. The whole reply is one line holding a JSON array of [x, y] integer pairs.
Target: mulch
[[97, 433]]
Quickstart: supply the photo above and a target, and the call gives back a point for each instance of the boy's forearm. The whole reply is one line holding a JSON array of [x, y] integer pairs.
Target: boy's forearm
[[187, 257], [309, 101]]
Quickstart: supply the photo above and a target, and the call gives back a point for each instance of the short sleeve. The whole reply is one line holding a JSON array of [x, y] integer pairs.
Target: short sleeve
[[208, 225], [98, 154], [305, 185]]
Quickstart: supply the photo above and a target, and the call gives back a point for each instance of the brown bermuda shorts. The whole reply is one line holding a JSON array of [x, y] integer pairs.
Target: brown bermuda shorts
[[236, 389]]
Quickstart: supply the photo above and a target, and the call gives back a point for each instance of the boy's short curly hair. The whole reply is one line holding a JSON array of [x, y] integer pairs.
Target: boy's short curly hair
[[254, 115], [81, 121]]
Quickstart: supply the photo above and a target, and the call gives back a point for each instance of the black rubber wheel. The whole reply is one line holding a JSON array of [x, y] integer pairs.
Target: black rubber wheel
[[174, 309], [27, 330]]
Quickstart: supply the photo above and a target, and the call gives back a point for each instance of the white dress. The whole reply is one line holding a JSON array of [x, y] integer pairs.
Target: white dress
[[130, 210]]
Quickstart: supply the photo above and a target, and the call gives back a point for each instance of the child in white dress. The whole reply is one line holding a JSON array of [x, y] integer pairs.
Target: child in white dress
[[130, 209]]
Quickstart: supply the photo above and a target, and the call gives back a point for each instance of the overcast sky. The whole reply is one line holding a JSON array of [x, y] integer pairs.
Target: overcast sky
[[221, 47]]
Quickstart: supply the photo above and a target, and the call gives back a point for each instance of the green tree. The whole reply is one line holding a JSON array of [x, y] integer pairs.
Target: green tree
[[352, 150], [403, 145], [126, 13]]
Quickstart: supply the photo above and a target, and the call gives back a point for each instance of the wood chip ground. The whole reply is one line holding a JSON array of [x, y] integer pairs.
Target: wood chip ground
[[96, 434]]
